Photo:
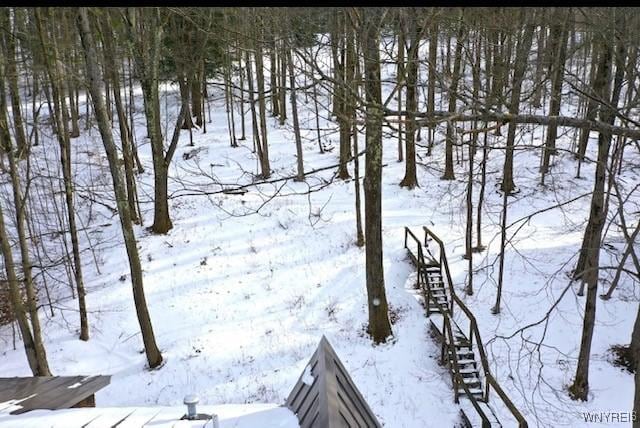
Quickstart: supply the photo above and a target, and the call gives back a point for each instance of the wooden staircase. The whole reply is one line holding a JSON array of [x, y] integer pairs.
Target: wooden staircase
[[462, 353]]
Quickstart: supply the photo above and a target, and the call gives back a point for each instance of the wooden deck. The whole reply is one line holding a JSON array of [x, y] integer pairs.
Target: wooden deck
[[22, 394]]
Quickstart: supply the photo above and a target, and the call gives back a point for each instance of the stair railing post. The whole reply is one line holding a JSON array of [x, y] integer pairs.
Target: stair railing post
[[453, 365], [428, 298], [486, 386], [406, 229]]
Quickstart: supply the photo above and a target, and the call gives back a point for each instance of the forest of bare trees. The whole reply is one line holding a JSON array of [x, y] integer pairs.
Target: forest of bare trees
[[466, 83]]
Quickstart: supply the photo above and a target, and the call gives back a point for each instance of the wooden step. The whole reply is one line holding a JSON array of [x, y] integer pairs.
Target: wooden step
[[463, 361], [463, 346], [465, 355], [468, 372], [462, 341], [471, 382], [438, 293], [475, 391]]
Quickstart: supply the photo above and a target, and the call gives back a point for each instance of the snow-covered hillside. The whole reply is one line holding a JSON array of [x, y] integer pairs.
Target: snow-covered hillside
[[243, 287]]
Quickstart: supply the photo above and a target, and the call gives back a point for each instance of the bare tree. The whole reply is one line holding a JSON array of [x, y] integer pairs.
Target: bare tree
[[154, 357]]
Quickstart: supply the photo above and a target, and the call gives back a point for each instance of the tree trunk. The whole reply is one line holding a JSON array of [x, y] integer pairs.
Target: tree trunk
[[522, 54], [257, 146], [283, 84], [147, 46], [33, 345], [273, 77], [431, 81], [196, 94], [11, 75], [540, 46], [341, 94], [264, 159], [379, 326], [635, 355], [590, 113], [17, 305], [453, 98], [61, 119], [125, 133], [185, 98], [559, 45], [400, 78], [154, 357], [588, 273], [410, 179], [294, 114]]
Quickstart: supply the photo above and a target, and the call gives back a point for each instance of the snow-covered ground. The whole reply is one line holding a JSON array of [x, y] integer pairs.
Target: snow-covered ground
[[243, 287]]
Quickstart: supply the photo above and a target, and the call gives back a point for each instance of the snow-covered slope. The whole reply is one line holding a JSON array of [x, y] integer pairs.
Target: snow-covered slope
[[243, 286]]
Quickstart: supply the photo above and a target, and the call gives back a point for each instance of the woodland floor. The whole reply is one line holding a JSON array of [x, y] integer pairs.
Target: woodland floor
[[243, 287]]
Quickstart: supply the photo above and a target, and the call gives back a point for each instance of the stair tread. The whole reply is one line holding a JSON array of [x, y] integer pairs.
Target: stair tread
[[465, 361]]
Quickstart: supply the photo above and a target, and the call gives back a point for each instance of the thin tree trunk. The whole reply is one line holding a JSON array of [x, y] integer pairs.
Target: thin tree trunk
[[196, 94], [400, 78], [294, 114], [431, 81], [264, 159], [410, 179], [283, 84], [154, 357], [149, 42], [635, 355], [125, 133], [273, 77], [453, 98], [17, 305], [62, 132], [522, 54], [257, 146], [559, 36], [11, 75], [31, 335]]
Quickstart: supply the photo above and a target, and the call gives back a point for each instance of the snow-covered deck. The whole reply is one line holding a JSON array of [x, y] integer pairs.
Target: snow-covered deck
[[230, 416]]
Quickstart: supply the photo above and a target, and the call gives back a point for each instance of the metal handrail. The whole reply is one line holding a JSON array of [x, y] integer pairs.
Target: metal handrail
[[474, 332]]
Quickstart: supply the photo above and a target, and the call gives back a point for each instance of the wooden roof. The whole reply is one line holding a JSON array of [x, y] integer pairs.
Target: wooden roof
[[325, 396], [22, 394]]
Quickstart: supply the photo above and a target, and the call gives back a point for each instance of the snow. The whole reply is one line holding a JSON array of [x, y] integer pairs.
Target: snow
[[230, 416], [307, 377], [243, 287], [13, 405]]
